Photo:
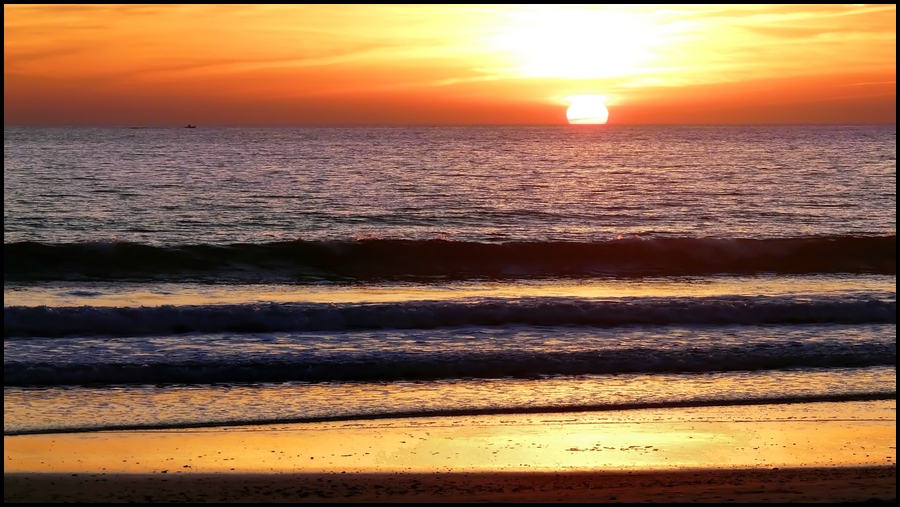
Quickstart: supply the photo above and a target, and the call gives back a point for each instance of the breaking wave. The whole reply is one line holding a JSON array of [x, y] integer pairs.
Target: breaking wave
[[375, 367], [541, 311], [381, 259]]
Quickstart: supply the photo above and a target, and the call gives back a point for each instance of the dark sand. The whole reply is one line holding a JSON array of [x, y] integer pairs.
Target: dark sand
[[836, 484]]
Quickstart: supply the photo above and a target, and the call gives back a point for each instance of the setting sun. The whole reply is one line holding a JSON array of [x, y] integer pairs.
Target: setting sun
[[587, 110]]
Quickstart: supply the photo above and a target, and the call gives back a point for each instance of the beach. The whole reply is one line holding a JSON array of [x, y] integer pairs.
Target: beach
[[766, 453]]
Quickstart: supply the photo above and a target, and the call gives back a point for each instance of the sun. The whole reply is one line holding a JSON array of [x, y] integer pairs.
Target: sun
[[587, 109]]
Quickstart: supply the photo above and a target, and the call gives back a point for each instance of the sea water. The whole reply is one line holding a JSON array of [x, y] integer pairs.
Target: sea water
[[170, 277]]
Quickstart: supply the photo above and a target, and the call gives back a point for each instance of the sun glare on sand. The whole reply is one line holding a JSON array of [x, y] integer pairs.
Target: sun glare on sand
[[587, 110]]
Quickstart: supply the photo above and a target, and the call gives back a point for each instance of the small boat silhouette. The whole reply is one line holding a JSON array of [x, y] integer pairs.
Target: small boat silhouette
[[189, 126]]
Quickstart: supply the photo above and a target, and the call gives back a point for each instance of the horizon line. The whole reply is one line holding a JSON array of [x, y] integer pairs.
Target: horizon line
[[403, 125]]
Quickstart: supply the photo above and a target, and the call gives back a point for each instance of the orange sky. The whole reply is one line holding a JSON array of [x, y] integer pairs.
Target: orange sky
[[394, 65]]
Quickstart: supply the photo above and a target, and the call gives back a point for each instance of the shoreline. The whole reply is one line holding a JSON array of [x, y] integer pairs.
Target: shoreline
[[455, 413], [834, 484]]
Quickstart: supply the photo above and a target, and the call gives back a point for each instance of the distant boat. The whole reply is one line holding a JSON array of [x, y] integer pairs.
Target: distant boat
[[189, 126]]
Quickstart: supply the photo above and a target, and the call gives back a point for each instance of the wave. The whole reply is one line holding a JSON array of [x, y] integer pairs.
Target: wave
[[473, 365], [42, 321], [467, 412], [383, 259]]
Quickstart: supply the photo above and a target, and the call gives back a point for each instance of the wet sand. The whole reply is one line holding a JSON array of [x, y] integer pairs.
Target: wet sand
[[769, 453]]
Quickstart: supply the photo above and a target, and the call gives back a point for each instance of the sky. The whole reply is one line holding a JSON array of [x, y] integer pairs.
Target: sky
[[435, 65]]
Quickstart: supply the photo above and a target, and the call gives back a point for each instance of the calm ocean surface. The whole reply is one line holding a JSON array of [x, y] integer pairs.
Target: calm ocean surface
[[161, 278]]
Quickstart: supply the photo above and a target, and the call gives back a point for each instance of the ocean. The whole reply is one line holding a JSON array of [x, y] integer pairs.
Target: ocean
[[175, 278]]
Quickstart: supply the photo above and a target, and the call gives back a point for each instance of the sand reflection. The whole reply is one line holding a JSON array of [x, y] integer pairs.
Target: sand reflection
[[851, 433]]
